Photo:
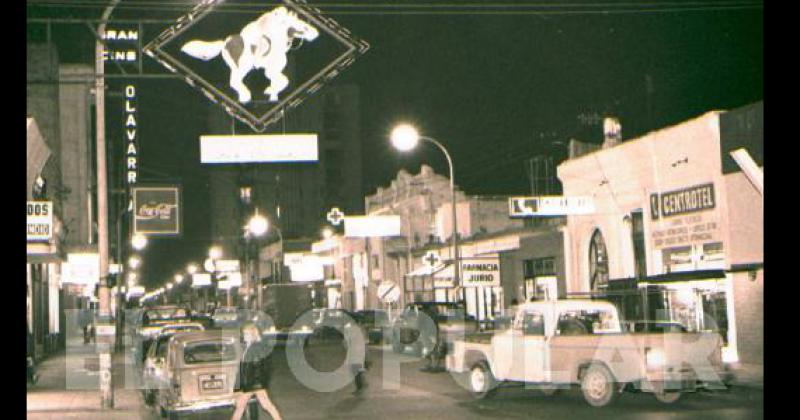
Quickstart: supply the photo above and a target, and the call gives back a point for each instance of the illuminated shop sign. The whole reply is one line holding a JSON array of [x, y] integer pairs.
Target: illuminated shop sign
[[549, 206], [40, 220], [221, 53], [131, 139], [156, 210], [258, 148], [687, 200], [122, 45]]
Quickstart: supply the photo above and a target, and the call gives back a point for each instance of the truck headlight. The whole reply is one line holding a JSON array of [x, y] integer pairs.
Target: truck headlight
[[655, 358]]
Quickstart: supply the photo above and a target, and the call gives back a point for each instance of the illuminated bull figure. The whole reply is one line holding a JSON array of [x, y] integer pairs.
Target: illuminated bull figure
[[262, 44]]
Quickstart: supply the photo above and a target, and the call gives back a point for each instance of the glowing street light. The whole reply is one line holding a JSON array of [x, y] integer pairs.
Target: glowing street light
[[191, 268], [405, 137], [327, 233], [139, 242], [169, 285], [258, 225], [215, 252], [178, 278], [134, 262]]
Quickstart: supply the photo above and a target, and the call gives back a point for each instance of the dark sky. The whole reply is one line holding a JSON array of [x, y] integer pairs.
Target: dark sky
[[496, 83]]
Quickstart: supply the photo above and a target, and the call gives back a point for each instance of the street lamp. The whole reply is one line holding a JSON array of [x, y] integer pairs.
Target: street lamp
[[405, 137], [139, 242], [215, 252], [327, 233], [191, 268], [134, 262], [178, 278], [258, 225]]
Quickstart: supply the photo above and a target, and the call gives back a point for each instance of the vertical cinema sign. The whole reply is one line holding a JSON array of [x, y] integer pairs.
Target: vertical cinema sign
[[131, 137]]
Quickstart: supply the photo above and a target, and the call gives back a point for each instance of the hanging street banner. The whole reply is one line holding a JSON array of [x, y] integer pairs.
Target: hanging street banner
[[549, 206], [259, 148], [157, 210], [40, 220], [483, 271], [239, 57]]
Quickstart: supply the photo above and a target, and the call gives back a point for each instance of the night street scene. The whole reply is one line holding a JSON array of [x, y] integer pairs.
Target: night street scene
[[393, 209]]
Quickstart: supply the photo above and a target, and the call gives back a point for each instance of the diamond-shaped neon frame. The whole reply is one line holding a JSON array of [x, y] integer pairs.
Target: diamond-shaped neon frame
[[354, 48]]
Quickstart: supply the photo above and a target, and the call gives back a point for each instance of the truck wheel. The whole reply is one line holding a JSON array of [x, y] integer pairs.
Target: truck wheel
[[481, 381], [597, 385], [667, 397]]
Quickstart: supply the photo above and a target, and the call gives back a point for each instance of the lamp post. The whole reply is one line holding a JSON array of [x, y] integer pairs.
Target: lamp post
[[405, 138], [257, 226]]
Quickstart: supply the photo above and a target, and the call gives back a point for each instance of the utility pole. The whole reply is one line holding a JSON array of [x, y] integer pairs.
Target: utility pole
[[106, 378]]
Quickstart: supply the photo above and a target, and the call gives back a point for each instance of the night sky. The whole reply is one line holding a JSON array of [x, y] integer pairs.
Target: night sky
[[495, 83]]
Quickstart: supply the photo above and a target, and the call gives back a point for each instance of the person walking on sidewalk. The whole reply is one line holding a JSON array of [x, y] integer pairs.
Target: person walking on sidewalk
[[255, 372], [356, 354]]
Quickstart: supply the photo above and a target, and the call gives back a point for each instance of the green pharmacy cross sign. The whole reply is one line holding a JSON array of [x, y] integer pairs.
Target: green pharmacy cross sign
[[256, 62]]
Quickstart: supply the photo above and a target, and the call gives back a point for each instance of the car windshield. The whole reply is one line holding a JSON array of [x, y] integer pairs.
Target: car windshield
[[209, 351]]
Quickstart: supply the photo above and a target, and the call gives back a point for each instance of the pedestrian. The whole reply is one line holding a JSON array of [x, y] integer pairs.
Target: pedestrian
[[356, 354], [255, 371], [85, 322], [32, 377]]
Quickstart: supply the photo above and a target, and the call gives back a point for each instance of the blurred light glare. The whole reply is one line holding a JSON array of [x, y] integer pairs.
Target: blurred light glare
[[327, 233], [134, 262], [191, 268], [405, 137], [139, 242], [178, 278], [215, 253], [258, 225]]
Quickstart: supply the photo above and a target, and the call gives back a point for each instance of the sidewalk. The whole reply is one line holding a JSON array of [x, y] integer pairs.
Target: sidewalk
[[749, 375], [68, 387]]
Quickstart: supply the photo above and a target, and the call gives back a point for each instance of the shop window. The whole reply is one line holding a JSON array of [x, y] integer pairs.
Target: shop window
[[598, 262], [678, 259], [531, 323]]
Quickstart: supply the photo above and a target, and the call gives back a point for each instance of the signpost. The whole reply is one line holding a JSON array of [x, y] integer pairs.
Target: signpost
[[549, 206]]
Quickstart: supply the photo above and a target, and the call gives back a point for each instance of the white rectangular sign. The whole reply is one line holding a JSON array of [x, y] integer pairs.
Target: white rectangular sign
[[40, 220], [549, 206], [259, 148], [371, 226], [232, 279], [307, 271], [134, 291], [480, 272], [81, 269], [227, 266], [201, 279]]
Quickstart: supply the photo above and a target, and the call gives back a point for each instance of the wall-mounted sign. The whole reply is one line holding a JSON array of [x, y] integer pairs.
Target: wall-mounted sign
[[226, 266], [549, 206], [131, 139], [371, 226], [82, 268], [40, 220], [229, 281], [259, 148], [157, 210], [201, 279], [215, 52], [683, 201], [480, 272], [122, 45]]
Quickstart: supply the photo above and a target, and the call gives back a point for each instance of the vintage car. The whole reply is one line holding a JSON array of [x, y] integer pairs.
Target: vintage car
[[200, 371], [153, 321], [557, 344], [424, 324], [226, 317], [153, 369]]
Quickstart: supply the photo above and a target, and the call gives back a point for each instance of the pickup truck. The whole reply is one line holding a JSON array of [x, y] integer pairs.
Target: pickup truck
[[557, 344]]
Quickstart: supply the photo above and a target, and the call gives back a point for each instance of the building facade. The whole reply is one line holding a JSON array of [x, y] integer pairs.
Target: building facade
[[670, 238]]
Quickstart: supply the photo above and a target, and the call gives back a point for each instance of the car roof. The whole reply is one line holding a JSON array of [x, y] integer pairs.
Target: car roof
[[205, 335]]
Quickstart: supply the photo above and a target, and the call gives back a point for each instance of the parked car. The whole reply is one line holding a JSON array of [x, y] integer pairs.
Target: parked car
[[153, 321], [200, 371], [375, 323], [329, 323], [226, 317], [423, 325], [556, 344], [169, 329]]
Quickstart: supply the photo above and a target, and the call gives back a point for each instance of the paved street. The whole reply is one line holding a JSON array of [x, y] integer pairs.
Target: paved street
[[420, 395]]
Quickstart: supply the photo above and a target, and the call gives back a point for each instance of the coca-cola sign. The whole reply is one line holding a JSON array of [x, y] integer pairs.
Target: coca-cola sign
[[157, 210]]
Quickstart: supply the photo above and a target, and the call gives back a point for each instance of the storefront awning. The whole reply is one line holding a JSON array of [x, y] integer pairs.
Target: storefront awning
[[422, 271], [447, 272]]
